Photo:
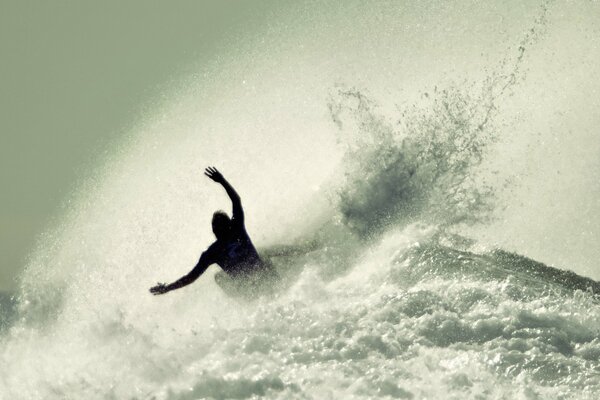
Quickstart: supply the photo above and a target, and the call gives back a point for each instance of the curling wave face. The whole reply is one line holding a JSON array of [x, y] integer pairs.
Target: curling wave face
[[374, 307]]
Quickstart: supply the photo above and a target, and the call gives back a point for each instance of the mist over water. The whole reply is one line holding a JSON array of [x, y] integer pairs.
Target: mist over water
[[397, 141]]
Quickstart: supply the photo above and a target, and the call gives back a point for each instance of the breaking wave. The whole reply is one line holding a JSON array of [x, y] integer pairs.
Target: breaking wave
[[384, 297]]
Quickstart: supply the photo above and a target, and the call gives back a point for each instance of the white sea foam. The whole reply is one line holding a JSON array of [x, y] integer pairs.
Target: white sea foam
[[411, 319]]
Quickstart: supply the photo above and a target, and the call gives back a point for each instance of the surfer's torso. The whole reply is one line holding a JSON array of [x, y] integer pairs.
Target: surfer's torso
[[236, 255]]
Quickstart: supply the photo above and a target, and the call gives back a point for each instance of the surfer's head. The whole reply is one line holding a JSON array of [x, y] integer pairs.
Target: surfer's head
[[221, 224]]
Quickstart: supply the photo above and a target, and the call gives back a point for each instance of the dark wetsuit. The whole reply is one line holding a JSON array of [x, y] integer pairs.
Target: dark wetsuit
[[236, 254], [244, 272]]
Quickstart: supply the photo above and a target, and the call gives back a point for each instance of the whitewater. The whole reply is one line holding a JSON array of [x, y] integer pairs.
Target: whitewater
[[372, 210]]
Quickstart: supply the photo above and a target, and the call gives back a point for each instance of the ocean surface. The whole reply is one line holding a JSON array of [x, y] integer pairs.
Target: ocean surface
[[369, 208], [411, 315]]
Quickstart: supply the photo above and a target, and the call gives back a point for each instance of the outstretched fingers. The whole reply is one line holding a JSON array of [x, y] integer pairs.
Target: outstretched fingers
[[213, 173], [158, 289], [210, 171]]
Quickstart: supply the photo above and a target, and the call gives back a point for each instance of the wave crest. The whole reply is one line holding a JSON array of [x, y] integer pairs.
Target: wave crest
[[424, 167]]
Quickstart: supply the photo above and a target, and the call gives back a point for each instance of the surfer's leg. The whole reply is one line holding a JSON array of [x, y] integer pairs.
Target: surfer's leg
[[227, 284], [222, 280]]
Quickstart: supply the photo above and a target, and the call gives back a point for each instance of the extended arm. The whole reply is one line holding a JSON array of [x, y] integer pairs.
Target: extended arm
[[215, 175], [198, 270]]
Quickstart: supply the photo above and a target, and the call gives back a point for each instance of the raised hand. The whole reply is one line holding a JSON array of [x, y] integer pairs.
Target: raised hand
[[161, 288], [214, 174]]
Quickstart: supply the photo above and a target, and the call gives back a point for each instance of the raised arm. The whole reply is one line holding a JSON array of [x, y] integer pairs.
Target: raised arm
[[238, 211], [204, 262]]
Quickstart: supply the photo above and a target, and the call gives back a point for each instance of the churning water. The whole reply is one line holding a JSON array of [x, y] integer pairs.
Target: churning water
[[386, 295]]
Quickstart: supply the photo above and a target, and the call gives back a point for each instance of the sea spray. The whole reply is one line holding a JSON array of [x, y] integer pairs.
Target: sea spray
[[425, 163], [423, 169]]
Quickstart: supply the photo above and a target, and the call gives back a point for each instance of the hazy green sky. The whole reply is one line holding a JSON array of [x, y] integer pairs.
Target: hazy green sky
[[73, 76]]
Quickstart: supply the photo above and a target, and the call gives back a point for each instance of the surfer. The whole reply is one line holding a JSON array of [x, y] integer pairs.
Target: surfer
[[243, 271]]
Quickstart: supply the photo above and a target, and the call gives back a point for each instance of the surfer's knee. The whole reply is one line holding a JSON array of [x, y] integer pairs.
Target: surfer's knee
[[220, 277]]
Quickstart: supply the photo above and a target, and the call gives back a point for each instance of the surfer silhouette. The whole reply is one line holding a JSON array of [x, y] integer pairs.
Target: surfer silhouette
[[243, 271]]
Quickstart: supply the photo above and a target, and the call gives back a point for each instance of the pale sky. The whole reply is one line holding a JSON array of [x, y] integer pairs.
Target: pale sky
[[73, 76]]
